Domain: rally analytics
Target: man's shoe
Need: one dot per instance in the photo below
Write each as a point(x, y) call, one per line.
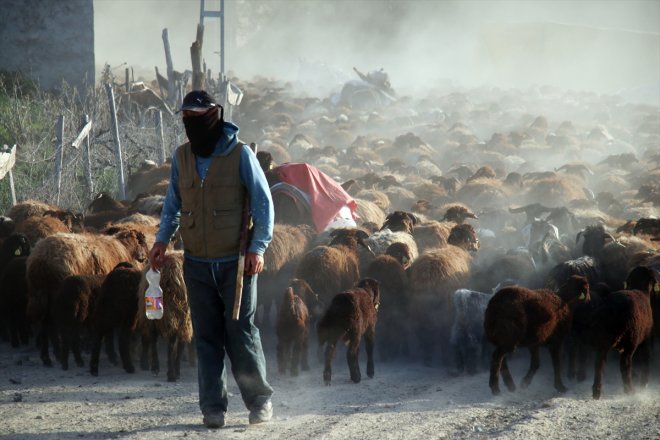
point(214, 421)
point(262, 413)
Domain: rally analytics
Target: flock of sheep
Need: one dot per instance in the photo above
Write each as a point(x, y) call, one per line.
point(489, 220)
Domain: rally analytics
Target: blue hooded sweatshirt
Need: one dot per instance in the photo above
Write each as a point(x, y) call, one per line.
point(252, 177)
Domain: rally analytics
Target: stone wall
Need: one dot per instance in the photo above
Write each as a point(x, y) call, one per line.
point(50, 41)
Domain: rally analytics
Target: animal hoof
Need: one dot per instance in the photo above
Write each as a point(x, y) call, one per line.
point(129, 369)
point(581, 377)
point(495, 391)
point(596, 393)
point(524, 384)
point(561, 389)
point(327, 383)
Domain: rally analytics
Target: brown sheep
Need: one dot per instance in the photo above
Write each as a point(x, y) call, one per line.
point(400, 221)
point(457, 213)
point(20, 211)
point(61, 255)
point(390, 271)
point(72, 305)
point(434, 277)
point(624, 321)
point(281, 258)
point(37, 227)
point(175, 325)
point(351, 315)
point(145, 181)
point(431, 235)
point(116, 309)
point(517, 316)
point(369, 212)
point(333, 268)
point(14, 252)
point(292, 327)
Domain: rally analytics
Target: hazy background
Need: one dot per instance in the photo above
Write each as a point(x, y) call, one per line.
point(601, 45)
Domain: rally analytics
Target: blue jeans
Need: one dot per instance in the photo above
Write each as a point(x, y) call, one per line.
point(211, 288)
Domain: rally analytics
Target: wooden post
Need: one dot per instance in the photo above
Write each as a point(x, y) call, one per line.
point(59, 157)
point(87, 162)
point(171, 91)
point(196, 57)
point(159, 130)
point(160, 87)
point(121, 193)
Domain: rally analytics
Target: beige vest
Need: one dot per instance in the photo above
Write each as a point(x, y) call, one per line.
point(211, 210)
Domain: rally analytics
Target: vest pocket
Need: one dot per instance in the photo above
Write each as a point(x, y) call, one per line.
point(187, 220)
point(223, 219)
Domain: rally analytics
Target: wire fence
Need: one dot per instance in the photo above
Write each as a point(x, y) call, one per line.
point(28, 118)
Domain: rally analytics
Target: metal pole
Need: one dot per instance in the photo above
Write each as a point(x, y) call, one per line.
point(222, 35)
point(159, 131)
point(121, 194)
point(59, 156)
point(87, 162)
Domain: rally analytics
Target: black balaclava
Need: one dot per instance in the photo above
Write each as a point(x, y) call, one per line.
point(203, 132)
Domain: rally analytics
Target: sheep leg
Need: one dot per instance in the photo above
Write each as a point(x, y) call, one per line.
point(534, 365)
point(643, 353)
point(97, 338)
point(573, 348)
point(329, 356)
point(153, 351)
point(43, 344)
point(506, 375)
point(295, 355)
point(125, 350)
point(495, 367)
point(598, 373)
point(282, 355)
point(66, 334)
point(144, 352)
point(582, 362)
point(75, 347)
point(555, 354)
point(352, 359)
point(304, 353)
point(369, 339)
point(625, 364)
point(110, 347)
point(173, 357)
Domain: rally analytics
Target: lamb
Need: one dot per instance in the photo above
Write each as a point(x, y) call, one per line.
point(116, 309)
point(292, 327)
point(390, 271)
point(400, 221)
point(624, 321)
point(61, 255)
point(352, 314)
point(517, 316)
point(176, 323)
point(333, 268)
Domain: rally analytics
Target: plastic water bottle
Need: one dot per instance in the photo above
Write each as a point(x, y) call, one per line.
point(153, 297)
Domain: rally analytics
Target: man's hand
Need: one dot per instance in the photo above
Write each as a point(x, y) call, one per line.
point(157, 255)
point(254, 263)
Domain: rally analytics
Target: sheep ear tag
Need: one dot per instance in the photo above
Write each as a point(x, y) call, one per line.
point(582, 296)
point(657, 288)
point(17, 252)
point(625, 285)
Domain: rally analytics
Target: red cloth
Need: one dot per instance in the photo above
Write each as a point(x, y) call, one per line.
point(326, 196)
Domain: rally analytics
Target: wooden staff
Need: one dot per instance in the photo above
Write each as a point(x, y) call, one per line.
point(242, 246)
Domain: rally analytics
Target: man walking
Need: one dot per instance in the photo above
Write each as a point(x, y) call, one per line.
point(211, 176)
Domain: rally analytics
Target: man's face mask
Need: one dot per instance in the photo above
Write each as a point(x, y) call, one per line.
point(203, 131)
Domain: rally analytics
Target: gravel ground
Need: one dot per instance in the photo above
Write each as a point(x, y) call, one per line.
point(403, 400)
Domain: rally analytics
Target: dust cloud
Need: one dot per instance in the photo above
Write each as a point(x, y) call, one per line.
point(604, 46)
